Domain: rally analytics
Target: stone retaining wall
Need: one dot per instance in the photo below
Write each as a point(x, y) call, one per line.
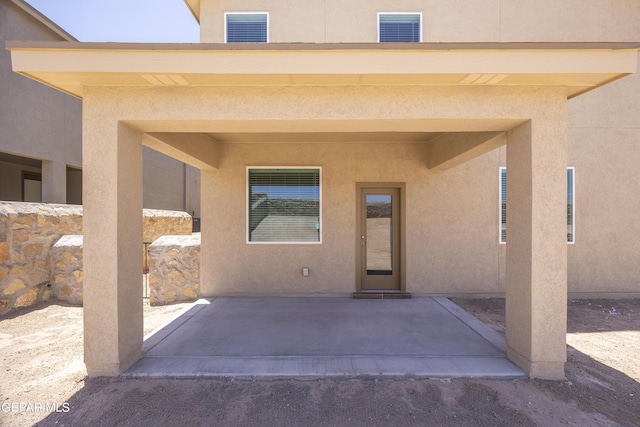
point(66, 269)
point(30, 231)
point(27, 232)
point(174, 269)
point(157, 223)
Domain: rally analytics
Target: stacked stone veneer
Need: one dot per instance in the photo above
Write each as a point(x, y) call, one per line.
point(157, 223)
point(41, 250)
point(27, 233)
point(174, 269)
point(66, 269)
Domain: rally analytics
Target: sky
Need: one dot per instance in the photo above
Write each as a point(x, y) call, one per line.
point(153, 21)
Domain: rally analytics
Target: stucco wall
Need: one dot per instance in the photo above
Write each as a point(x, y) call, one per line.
point(604, 135)
point(452, 216)
point(39, 122)
point(451, 235)
point(604, 125)
point(36, 121)
point(452, 219)
point(604, 148)
point(443, 20)
point(170, 184)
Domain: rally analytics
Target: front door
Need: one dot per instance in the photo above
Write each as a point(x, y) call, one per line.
point(379, 239)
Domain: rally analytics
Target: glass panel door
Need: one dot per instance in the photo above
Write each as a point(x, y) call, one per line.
point(380, 239)
point(379, 235)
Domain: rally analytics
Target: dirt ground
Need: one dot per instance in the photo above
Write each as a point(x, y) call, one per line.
point(42, 371)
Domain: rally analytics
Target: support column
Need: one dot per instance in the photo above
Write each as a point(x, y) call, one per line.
point(207, 232)
point(112, 228)
point(536, 294)
point(54, 182)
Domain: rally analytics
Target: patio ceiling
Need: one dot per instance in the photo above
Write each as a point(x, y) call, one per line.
point(71, 66)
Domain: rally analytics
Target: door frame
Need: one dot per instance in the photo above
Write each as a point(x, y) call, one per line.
point(401, 187)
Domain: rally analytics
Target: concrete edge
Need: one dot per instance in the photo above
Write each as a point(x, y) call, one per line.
point(494, 338)
point(325, 367)
point(167, 328)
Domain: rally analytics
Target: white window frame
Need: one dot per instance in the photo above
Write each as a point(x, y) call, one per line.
point(245, 13)
point(247, 207)
point(401, 13)
point(573, 204)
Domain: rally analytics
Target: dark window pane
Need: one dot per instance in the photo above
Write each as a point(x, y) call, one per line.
point(284, 205)
point(247, 28)
point(400, 28)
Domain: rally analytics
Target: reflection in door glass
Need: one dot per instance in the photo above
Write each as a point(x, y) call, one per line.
point(379, 236)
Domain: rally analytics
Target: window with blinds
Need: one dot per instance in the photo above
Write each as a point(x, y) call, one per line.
point(399, 27)
point(283, 205)
point(247, 27)
point(570, 205)
point(503, 205)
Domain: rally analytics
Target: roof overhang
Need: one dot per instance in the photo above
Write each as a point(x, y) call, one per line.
point(194, 7)
point(71, 66)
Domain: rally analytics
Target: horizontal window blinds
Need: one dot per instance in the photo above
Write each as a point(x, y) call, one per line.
point(503, 205)
point(284, 205)
point(399, 27)
point(570, 205)
point(246, 28)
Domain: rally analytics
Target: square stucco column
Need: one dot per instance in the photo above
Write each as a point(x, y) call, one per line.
point(112, 229)
point(207, 233)
point(536, 294)
point(54, 182)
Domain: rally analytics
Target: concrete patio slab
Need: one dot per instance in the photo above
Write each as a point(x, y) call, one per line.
point(318, 337)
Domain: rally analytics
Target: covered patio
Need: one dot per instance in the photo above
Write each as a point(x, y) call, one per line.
point(319, 337)
point(412, 115)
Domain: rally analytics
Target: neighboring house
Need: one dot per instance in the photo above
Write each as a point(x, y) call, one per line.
point(41, 133)
point(40, 128)
point(359, 146)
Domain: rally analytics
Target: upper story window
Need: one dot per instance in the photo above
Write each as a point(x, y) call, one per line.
point(399, 27)
point(246, 27)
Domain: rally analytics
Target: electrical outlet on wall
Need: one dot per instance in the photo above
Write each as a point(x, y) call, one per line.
point(305, 271)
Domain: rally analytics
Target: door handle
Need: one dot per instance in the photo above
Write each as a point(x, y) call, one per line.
point(362, 240)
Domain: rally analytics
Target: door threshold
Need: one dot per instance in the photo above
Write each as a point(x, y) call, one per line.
point(374, 294)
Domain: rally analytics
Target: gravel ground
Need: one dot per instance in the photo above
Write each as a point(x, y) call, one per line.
point(42, 370)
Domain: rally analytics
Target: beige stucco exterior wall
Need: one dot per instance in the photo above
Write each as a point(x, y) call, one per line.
point(170, 184)
point(36, 121)
point(601, 261)
point(452, 242)
point(115, 119)
point(604, 135)
point(451, 216)
point(443, 20)
point(604, 148)
point(442, 209)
